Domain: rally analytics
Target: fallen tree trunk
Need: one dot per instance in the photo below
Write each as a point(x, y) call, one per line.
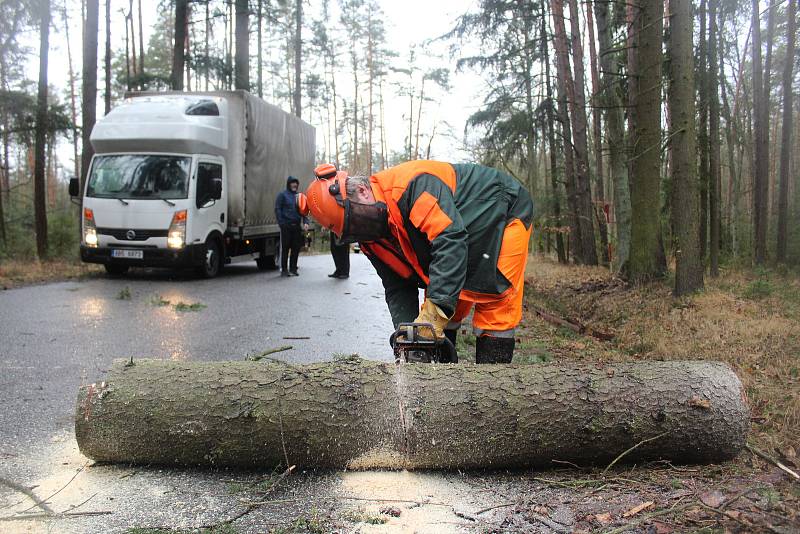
point(360, 414)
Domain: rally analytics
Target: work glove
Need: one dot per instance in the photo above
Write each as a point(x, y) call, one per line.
point(433, 314)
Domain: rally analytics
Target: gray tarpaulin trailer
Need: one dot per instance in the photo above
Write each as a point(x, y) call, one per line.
point(255, 145)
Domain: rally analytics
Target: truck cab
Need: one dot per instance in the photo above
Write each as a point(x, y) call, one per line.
point(168, 184)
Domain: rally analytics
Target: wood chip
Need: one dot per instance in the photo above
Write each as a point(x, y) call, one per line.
point(636, 509)
point(603, 519)
point(699, 402)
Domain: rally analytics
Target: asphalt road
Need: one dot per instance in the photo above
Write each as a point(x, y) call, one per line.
point(57, 336)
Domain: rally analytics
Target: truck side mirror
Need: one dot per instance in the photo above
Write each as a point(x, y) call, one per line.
point(74, 187)
point(216, 189)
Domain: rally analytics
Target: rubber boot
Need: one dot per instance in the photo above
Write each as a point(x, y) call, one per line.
point(451, 335)
point(489, 349)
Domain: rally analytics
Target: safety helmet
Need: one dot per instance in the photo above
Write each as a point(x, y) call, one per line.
point(325, 197)
point(350, 220)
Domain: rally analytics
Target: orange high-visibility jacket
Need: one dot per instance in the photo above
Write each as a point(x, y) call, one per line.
point(447, 223)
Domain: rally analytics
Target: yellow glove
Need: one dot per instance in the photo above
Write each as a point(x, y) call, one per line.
point(433, 314)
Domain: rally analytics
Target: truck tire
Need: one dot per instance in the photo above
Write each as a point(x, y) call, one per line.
point(115, 269)
point(212, 265)
point(266, 263)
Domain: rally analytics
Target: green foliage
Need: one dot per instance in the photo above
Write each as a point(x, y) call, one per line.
point(759, 288)
point(157, 300)
point(124, 293)
point(189, 307)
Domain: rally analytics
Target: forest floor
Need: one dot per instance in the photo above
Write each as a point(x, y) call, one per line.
point(751, 320)
point(18, 273)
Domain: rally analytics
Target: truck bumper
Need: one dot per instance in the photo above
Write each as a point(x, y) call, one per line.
point(188, 256)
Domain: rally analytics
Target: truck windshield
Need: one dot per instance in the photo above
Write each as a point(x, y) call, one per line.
point(139, 176)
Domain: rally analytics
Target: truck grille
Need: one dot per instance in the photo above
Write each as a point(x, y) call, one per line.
point(122, 234)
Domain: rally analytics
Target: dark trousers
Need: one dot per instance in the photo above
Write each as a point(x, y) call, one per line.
point(341, 257)
point(291, 242)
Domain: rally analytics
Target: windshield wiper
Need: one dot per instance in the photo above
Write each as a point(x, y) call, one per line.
point(123, 201)
point(168, 201)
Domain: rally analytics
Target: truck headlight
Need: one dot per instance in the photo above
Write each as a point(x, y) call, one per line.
point(89, 228)
point(176, 236)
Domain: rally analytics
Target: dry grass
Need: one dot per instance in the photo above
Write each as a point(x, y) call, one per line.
point(749, 320)
point(16, 273)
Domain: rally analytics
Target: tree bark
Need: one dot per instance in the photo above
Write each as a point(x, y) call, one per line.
point(39, 185)
point(685, 198)
point(714, 173)
point(179, 46)
point(358, 414)
point(786, 132)
point(242, 60)
point(647, 260)
point(615, 132)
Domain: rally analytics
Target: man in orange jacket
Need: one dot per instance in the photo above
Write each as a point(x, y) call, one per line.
point(460, 231)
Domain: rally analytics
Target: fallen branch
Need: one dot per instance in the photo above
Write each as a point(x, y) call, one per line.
point(63, 515)
point(618, 458)
point(506, 505)
point(28, 493)
point(268, 352)
point(643, 519)
point(78, 472)
point(573, 325)
point(772, 460)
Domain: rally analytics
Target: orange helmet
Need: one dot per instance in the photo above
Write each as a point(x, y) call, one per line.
point(325, 197)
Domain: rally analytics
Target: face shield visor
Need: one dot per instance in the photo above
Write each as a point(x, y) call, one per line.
point(362, 222)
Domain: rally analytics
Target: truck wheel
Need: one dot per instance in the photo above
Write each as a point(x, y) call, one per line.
point(115, 270)
point(266, 263)
point(212, 265)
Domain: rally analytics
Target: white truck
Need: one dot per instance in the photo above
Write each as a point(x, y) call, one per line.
point(189, 179)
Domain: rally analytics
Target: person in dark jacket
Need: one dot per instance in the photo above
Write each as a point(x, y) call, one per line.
point(292, 225)
point(460, 231)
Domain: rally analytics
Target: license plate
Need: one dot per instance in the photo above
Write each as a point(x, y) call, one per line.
point(130, 254)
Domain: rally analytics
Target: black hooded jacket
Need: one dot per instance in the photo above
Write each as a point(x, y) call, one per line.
point(286, 206)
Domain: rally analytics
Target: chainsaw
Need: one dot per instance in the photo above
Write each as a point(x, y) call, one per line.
point(411, 347)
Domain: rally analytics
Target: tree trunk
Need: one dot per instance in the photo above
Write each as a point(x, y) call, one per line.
point(786, 132)
point(298, 56)
point(141, 42)
point(73, 104)
point(134, 63)
point(702, 135)
point(760, 179)
point(647, 259)
point(580, 138)
point(89, 86)
point(358, 414)
point(242, 60)
point(685, 200)
point(551, 142)
point(600, 194)
point(714, 173)
point(615, 132)
point(107, 96)
point(179, 46)
point(39, 185)
point(565, 90)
